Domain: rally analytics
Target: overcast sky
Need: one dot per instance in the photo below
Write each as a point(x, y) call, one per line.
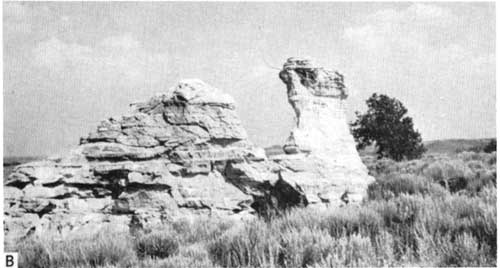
point(69, 65)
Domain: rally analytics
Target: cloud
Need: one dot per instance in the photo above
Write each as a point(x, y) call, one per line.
point(418, 13)
point(415, 37)
point(402, 30)
point(122, 42)
point(115, 61)
point(415, 55)
point(15, 20)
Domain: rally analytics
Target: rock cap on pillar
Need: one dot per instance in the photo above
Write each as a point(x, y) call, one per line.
point(304, 73)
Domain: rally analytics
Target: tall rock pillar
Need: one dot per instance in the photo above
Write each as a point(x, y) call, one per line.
point(320, 149)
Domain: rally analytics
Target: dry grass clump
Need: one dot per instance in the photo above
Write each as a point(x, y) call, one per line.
point(394, 184)
point(160, 243)
point(351, 220)
point(100, 249)
point(201, 228)
point(252, 244)
point(194, 255)
point(33, 253)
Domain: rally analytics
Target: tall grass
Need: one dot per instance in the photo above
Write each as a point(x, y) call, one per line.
point(106, 247)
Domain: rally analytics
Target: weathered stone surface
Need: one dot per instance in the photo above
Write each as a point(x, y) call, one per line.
point(253, 178)
point(103, 150)
point(196, 193)
point(18, 180)
point(322, 157)
point(87, 205)
point(152, 200)
point(12, 193)
point(12, 199)
point(161, 162)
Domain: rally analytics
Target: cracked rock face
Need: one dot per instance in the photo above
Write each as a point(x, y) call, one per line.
point(174, 156)
point(321, 155)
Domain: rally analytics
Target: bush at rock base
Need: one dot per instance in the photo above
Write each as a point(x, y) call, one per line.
point(104, 248)
point(159, 243)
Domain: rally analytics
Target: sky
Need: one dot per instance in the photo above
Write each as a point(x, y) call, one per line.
point(69, 65)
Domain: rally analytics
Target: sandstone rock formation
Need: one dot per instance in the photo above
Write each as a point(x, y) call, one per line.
point(166, 160)
point(184, 153)
point(321, 154)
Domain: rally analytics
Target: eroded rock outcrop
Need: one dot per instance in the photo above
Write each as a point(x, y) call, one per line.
point(321, 155)
point(184, 153)
point(167, 159)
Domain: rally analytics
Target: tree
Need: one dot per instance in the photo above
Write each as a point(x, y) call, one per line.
point(386, 124)
point(491, 146)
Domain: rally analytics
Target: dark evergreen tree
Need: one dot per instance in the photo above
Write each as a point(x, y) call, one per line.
point(387, 125)
point(491, 146)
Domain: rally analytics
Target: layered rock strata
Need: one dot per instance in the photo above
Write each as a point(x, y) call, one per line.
point(321, 155)
point(173, 156)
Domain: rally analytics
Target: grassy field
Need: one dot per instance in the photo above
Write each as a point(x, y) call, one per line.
point(436, 211)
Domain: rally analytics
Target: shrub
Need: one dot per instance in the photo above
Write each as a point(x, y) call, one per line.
point(483, 179)
point(350, 251)
point(491, 146)
point(478, 219)
point(99, 249)
point(352, 219)
point(157, 243)
point(400, 216)
point(383, 166)
point(204, 228)
point(488, 195)
point(196, 252)
point(251, 244)
point(304, 247)
point(464, 251)
point(492, 159)
point(384, 249)
point(393, 185)
point(189, 256)
point(33, 253)
point(444, 170)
